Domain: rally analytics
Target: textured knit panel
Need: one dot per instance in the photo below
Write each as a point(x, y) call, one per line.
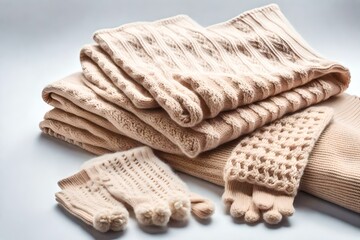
point(194, 73)
point(88, 200)
point(333, 169)
point(276, 155)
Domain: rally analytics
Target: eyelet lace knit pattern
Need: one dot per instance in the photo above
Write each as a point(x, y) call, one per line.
point(137, 177)
point(276, 155)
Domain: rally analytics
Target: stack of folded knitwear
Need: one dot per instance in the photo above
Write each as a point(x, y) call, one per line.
point(246, 104)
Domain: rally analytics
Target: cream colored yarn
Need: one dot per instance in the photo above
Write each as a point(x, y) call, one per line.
point(137, 177)
point(89, 201)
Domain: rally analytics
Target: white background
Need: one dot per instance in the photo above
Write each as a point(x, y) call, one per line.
point(40, 43)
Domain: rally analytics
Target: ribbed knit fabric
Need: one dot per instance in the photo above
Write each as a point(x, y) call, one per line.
point(342, 188)
point(335, 172)
point(137, 177)
point(89, 201)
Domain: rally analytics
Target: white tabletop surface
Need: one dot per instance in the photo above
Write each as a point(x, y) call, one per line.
point(40, 42)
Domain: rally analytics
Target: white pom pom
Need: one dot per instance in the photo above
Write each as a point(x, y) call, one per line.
point(101, 221)
point(180, 208)
point(144, 214)
point(119, 219)
point(161, 214)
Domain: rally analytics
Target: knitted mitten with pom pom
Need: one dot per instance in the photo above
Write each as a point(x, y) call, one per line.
point(140, 179)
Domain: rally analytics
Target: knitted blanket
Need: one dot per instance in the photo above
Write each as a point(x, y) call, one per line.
point(183, 89)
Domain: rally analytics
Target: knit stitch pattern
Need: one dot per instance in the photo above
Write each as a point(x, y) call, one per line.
point(276, 155)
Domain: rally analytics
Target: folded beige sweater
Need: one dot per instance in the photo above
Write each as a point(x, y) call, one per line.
point(183, 89)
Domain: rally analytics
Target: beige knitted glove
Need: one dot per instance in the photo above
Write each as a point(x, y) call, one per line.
point(137, 177)
point(89, 201)
point(248, 201)
point(265, 168)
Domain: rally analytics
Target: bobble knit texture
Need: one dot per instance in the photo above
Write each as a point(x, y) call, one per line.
point(333, 169)
point(276, 155)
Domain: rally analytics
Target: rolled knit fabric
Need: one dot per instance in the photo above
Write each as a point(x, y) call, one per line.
point(256, 66)
point(89, 201)
point(137, 177)
point(335, 151)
